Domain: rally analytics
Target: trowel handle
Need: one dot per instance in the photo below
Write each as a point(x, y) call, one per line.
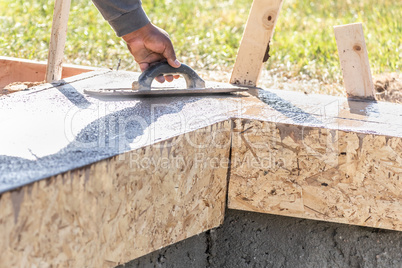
point(146, 78)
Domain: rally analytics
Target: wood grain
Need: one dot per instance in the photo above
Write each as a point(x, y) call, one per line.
point(254, 45)
point(57, 40)
point(354, 61)
point(22, 70)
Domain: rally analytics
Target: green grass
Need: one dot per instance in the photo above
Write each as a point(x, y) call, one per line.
point(206, 34)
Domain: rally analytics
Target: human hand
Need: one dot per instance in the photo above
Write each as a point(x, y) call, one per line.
point(150, 45)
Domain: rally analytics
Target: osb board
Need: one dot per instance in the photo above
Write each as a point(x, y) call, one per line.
point(118, 209)
point(316, 173)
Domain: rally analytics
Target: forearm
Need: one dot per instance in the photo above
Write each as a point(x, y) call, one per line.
point(125, 16)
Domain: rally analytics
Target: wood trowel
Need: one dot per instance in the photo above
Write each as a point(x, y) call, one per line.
point(143, 87)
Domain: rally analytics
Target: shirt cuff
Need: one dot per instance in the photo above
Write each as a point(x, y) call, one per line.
point(129, 22)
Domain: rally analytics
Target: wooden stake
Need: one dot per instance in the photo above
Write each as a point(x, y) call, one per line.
point(57, 40)
point(254, 46)
point(354, 60)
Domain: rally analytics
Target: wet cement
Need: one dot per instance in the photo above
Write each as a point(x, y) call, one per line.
point(50, 129)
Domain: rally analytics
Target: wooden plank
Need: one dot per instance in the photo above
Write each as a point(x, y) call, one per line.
point(22, 70)
point(317, 173)
point(121, 208)
point(354, 61)
point(254, 46)
point(57, 40)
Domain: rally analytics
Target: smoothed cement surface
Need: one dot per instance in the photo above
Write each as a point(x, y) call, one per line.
point(47, 132)
point(49, 129)
point(248, 239)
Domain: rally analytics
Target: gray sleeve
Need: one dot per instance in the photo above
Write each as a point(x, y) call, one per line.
point(125, 16)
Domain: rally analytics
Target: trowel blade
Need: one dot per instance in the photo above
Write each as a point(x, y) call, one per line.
point(215, 88)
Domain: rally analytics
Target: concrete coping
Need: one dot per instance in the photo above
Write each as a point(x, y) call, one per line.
point(76, 160)
point(51, 129)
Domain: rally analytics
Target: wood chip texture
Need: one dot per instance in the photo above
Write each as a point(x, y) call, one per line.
point(317, 173)
point(121, 208)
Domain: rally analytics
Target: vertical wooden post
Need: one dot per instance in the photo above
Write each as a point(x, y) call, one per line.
point(254, 46)
point(354, 60)
point(57, 40)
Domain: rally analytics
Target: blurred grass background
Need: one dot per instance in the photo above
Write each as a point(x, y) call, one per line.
point(206, 34)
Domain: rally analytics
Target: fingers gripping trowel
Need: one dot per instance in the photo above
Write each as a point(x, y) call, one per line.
point(142, 87)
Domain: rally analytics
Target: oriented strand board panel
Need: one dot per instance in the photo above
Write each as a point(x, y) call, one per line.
point(120, 208)
point(317, 173)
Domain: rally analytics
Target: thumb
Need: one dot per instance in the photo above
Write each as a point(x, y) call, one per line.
point(144, 66)
point(170, 56)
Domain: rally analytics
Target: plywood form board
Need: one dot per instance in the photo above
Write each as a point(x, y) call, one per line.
point(254, 46)
point(317, 173)
point(22, 70)
point(354, 60)
point(120, 208)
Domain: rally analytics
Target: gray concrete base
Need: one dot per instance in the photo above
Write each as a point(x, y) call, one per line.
point(248, 239)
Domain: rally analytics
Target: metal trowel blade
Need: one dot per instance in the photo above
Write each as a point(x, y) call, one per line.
point(211, 88)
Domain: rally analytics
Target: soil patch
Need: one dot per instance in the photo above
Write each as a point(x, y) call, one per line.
point(388, 87)
point(18, 86)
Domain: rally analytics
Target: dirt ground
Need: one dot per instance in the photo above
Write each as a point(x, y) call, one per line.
point(388, 86)
point(18, 86)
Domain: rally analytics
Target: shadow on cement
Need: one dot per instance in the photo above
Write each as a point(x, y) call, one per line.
point(286, 108)
point(363, 107)
point(73, 95)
